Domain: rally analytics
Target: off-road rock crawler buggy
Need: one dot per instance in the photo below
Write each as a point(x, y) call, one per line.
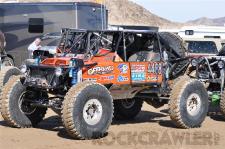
point(6, 63)
point(211, 71)
point(100, 74)
point(5, 59)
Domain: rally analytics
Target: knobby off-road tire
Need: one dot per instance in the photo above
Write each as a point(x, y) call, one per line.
point(6, 73)
point(188, 105)
point(7, 61)
point(174, 43)
point(87, 110)
point(175, 49)
point(127, 109)
point(11, 97)
point(222, 103)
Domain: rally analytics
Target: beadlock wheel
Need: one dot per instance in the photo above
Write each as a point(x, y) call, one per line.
point(188, 104)
point(87, 110)
point(193, 104)
point(92, 111)
point(24, 105)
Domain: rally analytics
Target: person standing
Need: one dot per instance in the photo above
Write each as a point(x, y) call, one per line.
point(35, 45)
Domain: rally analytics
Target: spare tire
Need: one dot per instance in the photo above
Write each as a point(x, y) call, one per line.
point(173, 44)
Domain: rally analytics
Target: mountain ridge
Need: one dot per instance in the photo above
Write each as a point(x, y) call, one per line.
point(123, 12)
point(208, 21)
point(126, 12)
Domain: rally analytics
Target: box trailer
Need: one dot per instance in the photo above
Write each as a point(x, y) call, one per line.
point(23, 22)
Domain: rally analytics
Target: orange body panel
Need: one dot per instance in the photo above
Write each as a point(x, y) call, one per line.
point(109, 72)
point(56, 61)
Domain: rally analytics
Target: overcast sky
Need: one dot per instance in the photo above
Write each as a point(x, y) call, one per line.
point(184, 10)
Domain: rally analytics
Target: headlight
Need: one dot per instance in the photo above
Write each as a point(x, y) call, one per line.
point(23, 68)
point(220, 64)
point(194, 62)
point(58, 72)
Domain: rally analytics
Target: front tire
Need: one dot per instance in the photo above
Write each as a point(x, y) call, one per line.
point(127, 109)
point(222, 104)
point(6, 73)
point(15, 110)
point(87, 111)
point(188, 105)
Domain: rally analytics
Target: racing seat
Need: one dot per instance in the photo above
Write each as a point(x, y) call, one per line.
point(145, 56)
point(111, 56)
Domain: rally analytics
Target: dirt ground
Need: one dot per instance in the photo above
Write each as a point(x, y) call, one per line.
point(150, 129)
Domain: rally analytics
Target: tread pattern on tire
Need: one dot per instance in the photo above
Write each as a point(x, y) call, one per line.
point(174, 101)
point(175, 49)
point(4, 71)
point(174, 42)
point(222, 103)
point(34, 119)
point(8, 59)
point(4, 100)
point(68, 102)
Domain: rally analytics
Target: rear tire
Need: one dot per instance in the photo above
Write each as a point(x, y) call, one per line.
point(87, 111)
point(7, 61)
point(15, 110)
point(127, 109)
point(188, 105)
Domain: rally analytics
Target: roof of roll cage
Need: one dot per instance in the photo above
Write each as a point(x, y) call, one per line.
point(109, 30)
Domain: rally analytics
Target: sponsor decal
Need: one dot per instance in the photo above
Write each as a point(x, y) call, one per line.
point(123, 68)
point(155, 78)
point(107, 78)
point(122, 79)
point(137, 68)
point(91, 79)
point(140, 76)
point(101, 70)
point(155, 68)
point(138, 72)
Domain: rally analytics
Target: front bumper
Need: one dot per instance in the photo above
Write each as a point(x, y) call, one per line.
point(42, 77)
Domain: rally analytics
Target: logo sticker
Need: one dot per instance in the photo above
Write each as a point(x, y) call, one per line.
point(155, 68)
point(91, 79)
point(155, 78)
point(101, 70)
point(138, 76)
point(123, 68)
point(107, 78)
point(122, 79)
point(138, 68)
